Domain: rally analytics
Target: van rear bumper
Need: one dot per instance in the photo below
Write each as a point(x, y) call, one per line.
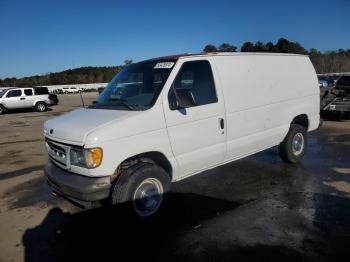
point(81, 190)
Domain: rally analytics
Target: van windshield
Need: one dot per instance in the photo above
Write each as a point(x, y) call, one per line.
point(2, 93)
point(137, 87)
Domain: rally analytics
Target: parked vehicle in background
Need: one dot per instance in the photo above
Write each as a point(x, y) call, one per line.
point(166, 119)
point(323, 83)
point(70, 90)
point(100, 90)
point(58, 91)
point(27, 97)
point(335, 102)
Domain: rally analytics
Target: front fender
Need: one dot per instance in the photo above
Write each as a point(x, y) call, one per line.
point(116, 151)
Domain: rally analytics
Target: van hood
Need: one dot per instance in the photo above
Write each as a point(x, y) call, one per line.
point(73, 127)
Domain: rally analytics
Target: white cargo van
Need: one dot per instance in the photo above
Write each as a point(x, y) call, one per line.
point(166, 119)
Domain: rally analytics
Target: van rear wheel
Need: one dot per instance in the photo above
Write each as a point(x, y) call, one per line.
point(293, 147)
point(141, 189)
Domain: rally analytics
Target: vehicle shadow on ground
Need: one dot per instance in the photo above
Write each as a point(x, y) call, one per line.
point(26, 110)
point(195, 228)
point(20, 172)
point(110, 234)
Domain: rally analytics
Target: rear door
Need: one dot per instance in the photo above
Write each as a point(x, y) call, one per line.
point(29, 97)
point(14, 99)
point(197, 134)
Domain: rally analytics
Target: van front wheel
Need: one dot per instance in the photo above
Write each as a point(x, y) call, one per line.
point(292, 149)
point(141, 189)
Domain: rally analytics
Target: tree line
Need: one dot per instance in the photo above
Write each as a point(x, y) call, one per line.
point(324, 62)
point(82, 75)
point(327, 62)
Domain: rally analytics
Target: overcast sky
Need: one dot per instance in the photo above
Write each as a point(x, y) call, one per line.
point(38, 37)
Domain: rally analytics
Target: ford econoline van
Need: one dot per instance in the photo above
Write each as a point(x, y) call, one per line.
point(165, 119)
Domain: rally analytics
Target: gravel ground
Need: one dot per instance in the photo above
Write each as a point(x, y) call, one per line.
point(255, 209)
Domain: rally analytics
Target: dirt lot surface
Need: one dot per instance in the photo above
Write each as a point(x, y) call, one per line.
point(255, 209)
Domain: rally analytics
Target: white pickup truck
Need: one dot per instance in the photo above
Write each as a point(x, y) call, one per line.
point(165, 119)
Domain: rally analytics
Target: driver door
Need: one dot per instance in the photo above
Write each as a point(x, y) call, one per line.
point(14, 99)
point(197, 133)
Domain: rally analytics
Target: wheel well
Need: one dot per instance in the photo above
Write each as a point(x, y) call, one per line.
point(301, 120)
point(150, 157)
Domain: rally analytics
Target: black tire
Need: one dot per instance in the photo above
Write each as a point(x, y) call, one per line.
point(2, 110)
point(40, 106)
point(125, 190)
point(286, 149)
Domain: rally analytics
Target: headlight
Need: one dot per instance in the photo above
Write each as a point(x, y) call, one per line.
point(93, 157)
point(77, 158)
point(90, 158)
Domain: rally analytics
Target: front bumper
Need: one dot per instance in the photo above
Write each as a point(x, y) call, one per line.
point(79, 189)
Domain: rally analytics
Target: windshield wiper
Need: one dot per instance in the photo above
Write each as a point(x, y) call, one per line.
point(122, 102)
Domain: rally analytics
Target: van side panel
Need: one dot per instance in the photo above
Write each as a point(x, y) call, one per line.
point(263, 93)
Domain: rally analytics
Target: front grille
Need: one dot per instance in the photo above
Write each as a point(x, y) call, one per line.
point(58, 153)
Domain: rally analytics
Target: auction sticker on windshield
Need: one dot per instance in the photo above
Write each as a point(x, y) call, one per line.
point(164, 65)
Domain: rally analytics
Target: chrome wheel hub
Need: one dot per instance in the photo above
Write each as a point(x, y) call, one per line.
point(148, 197)
point(41, 107)
point(298, 144)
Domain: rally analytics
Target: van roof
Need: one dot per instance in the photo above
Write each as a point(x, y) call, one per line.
point(178, 56)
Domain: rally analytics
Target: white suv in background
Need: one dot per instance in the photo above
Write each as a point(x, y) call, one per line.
point(70, 90)
point(27, 97)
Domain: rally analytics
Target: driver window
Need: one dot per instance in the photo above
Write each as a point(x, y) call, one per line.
point(196, 76)
point(14, 93)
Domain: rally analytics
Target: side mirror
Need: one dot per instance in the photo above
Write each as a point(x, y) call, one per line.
point(184, 98)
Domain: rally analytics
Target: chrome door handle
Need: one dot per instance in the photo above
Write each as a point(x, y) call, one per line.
point(222, 123)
